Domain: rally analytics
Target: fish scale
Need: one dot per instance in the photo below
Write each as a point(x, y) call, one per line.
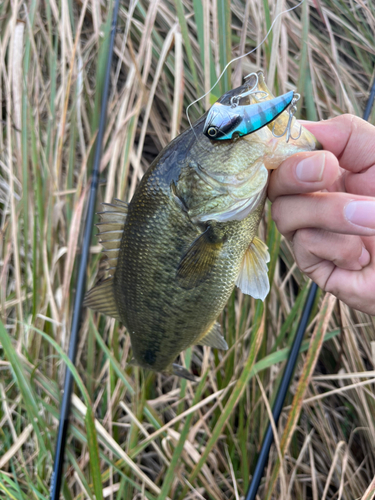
point(166, 312)
point(188, 237)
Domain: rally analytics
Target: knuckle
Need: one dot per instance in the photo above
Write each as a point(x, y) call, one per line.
point(304, 237)
point(276, 213)
point(349, 121)
point(304, 263)
point(331, 288)
point(276, 185)
point(347, 253)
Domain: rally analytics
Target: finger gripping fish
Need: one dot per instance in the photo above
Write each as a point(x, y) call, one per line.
point(188, 236)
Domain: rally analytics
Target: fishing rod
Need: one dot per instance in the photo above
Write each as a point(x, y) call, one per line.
point(81, 279)
point(290, 365)
point(281, 394)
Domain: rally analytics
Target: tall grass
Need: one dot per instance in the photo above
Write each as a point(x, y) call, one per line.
point(135, 434)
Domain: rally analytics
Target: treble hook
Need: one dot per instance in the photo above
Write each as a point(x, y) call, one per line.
point(292, 112)
point(236, 99)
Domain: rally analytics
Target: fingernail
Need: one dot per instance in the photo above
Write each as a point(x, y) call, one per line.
point(361, 213)
point(364, 258)
point(311, 168)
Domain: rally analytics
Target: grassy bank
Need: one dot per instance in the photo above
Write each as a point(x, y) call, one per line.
point(140, 435)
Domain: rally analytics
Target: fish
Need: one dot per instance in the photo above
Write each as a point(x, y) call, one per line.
point(223, 122)
point(188, 237)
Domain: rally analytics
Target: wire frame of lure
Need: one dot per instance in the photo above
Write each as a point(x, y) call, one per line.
point(224, 122)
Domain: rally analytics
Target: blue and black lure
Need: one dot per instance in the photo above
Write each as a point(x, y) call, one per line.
point(224, 122)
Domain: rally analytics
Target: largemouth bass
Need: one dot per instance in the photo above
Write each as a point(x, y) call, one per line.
point(188, 236)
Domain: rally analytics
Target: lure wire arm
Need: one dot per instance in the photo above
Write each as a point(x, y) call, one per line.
point(288, 128)
point(235, 100)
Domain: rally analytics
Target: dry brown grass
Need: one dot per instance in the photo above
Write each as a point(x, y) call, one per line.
point(52, 57)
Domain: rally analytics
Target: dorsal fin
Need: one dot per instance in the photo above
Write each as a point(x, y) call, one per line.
point(111, 226)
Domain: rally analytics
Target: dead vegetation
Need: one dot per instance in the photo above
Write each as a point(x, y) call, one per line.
point(161, 437)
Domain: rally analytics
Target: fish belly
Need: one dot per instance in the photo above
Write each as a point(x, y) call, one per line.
point(162, 317)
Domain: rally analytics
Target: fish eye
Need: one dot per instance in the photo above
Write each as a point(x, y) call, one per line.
point(212, 131)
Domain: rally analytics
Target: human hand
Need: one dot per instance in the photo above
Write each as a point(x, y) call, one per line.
point(323, 202)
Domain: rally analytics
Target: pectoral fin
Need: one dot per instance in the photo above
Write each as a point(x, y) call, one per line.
point(199, 260)
point(101, 298)
point(253, 277)
point(214, 338)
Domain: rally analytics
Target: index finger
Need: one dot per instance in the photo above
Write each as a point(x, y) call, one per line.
point(349, 138)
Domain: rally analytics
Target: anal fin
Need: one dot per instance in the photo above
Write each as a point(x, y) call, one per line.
point(101, 298)
point(214, 338)
point(253, 277)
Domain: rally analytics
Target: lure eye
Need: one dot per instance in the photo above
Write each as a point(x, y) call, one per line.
point(212, 132)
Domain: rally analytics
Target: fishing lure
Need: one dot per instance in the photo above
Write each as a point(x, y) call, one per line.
point(224, 122)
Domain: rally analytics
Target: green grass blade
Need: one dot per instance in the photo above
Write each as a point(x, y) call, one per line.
point(24, 387)
point(176, 457)
point(93, 449)
point(25, 127)
point(282, 354)
point(236, 393)
point(224, 21)
point(303, 63)
point(78, 470)
point(68, 363)
point(148, 413)
point(268, 42)
point(309, 365)
point(7, 491)
point(187, 44)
